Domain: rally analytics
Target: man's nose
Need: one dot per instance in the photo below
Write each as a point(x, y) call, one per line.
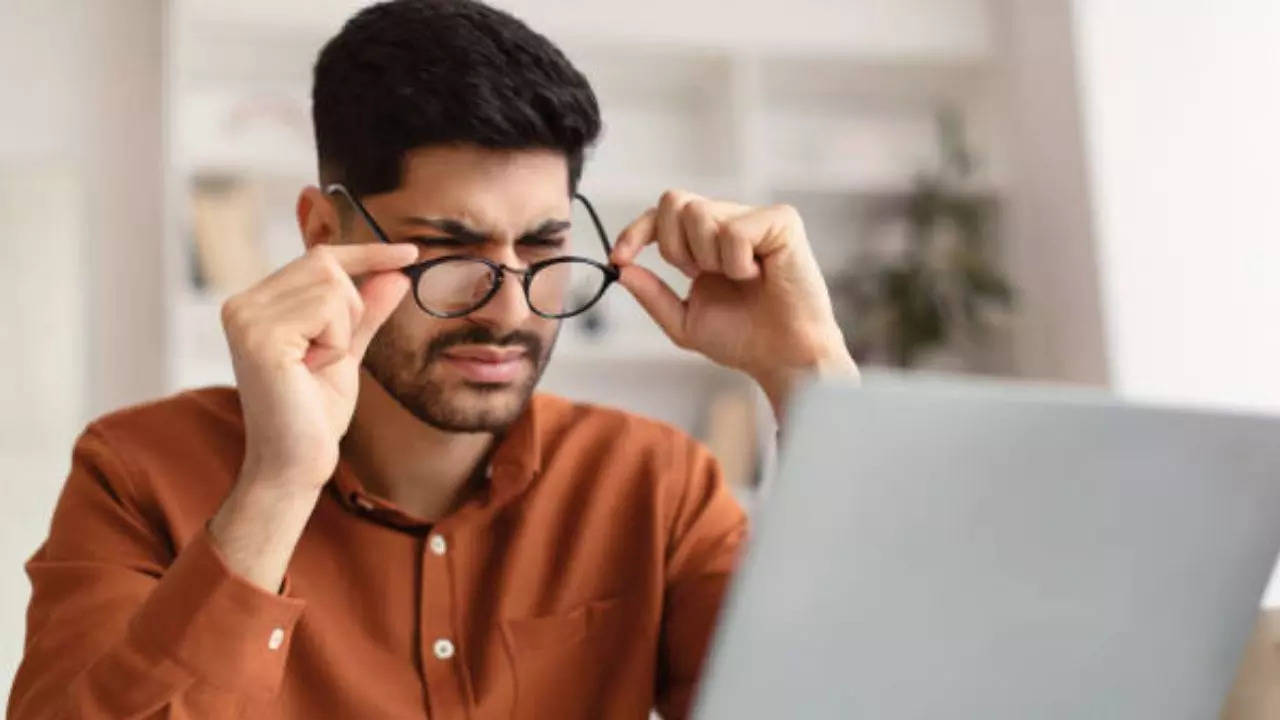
point(507, 309)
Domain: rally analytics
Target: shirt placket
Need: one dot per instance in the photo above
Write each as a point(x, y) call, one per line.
point(442, 667)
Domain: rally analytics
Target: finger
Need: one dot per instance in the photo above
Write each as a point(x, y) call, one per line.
point(315, 322)
point(363, 258)
point(737, 256)
point(382, 294)
point(332, 262)
point(765, 230)
point(332, 281)
point(634, 238)
point(670, 236)
point(319, 357)
point(700, 232)
point(658, 299)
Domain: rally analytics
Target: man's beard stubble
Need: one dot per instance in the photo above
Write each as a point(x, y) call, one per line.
point(405, 372)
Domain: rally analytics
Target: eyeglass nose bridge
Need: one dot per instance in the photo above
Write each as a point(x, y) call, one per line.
point(498, 273)
point(503, 269)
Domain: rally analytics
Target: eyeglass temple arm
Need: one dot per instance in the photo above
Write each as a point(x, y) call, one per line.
point(604, 237)
point(341, 189)
point(373, 224)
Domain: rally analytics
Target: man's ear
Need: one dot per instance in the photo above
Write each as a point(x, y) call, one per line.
point(317, 218)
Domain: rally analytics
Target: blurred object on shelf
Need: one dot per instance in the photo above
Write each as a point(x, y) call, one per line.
point(225, 233)
point(932, 279)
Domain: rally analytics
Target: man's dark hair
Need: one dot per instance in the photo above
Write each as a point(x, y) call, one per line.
point(409, 73)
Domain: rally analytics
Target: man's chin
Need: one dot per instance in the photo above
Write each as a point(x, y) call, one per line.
point(470, 406)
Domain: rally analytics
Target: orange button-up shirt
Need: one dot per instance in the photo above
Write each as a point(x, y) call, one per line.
point(582, 581)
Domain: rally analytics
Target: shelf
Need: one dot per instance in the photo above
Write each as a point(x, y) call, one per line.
point(643, 191)
point(923, 28)
point(860, 189)
point(647, 74)
point(837, 82)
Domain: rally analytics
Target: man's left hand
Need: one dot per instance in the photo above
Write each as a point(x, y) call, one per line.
point(758, 302)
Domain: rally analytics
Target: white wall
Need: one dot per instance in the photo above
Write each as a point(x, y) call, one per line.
point(1182, 117)
point(1183, 123)
point(80, 149)
point(41, 307)
point(123, 162)
point(921, 27)
point(1048, 230)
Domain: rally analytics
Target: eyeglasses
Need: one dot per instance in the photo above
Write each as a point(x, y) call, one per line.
point(455, 285)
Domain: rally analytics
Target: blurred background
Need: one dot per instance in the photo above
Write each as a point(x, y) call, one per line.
point(1060, 190)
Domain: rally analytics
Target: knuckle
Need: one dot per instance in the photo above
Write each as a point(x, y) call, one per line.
point(355, 303)
point(231, 312)
point(340, 342)
point(320, 253)
point(334, 275)
point(697, 214)
point(672, 198)
point(692, 211)
point(236, 314)
point(335, 306)
point(325, 261)
point(734, 234)
point(789, 213)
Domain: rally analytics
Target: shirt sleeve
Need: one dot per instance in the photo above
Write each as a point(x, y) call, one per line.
point(120, 626)
point(707, 534)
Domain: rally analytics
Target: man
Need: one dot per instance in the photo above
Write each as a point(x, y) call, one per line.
point(382, 520)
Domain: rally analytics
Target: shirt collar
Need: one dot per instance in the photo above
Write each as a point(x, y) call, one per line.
point(515, 462)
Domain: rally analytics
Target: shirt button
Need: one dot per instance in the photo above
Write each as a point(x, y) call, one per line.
point(276, 640)
point(443, 649)
point(438, 545)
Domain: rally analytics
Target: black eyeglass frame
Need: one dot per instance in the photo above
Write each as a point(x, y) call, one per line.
point(497, 270)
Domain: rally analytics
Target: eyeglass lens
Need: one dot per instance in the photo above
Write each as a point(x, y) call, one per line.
point(558, 289)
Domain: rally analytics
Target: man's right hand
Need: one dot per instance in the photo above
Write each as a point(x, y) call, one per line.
point(296, 340)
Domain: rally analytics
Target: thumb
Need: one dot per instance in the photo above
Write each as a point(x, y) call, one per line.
point(657, 298)
point(381, 294)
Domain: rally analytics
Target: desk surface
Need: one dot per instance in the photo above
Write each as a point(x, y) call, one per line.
point(1256, 693)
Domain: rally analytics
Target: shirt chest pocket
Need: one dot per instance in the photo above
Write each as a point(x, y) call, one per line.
point(561, 662)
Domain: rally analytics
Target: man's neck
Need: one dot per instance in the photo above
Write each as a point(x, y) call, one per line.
point(421, 469)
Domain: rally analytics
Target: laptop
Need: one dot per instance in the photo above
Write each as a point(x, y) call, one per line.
point(955, 550)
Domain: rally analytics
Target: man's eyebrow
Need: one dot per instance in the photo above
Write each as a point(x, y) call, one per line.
point(460, 230)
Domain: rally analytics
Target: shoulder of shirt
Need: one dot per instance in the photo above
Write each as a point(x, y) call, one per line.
point(172, 458)
point(173, 424)
point(215, 406)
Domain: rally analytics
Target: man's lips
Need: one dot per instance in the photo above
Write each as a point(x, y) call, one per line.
point(484, 353)
point(486, 364)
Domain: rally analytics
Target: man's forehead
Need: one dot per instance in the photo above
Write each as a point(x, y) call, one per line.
point(472, 214)
point(495, 191)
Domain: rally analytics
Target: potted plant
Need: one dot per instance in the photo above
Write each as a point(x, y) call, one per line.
point(940, 283)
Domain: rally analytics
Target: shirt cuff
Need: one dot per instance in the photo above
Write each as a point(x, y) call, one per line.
point(217, 625)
